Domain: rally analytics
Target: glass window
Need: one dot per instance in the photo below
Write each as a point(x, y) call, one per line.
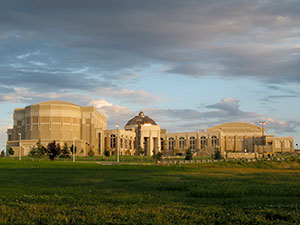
point(214, 141)
point(193, 143)
point(162, 144)
point(112, 141)
point(203, 142)
point(181, 142)
point(171, 143)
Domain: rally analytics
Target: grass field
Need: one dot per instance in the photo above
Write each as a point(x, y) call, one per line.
point(44, 192)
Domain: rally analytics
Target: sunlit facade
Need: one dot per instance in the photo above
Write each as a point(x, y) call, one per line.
point(68, 123)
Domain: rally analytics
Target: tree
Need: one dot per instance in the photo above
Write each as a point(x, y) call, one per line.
point(38, 151)
point(217, 154)
point(2, 154)
point(65, 153)
point(91, 153)
point(157, 157)
point(71, 149)
point(141, 152)
point(53, 150)
point(106, 153)
point(11, 151)
point(189, 155)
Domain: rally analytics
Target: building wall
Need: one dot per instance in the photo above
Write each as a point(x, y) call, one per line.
point(59, 121)
point(63, 121)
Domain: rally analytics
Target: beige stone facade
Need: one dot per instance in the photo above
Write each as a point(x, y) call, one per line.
point(65, 122)
point(59, 121)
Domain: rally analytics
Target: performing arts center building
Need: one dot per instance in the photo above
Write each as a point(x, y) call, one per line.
point(68, 123)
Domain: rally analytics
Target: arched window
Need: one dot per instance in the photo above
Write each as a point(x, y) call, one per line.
point(129, 144)
point(214, 141)
point(193, 143)
point(126, 143)
point(171, 143)
point(181, 142)
point(162, 144)
point(203, 142)
point(112, 141)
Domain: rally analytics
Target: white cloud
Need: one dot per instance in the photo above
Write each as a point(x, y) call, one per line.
point(115, 114)
point(129, 96)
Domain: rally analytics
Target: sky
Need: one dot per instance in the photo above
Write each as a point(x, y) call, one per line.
point(189, 64)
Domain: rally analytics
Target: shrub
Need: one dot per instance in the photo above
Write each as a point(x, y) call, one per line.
point(71, 149)
point(106, 153)
point(53, 150)
point(217, 154)
point(11, 151)
point(2, 154)
point(65, 153)
point(157, 157)
point(38, 151)
point(189, 155)
point(91, 153)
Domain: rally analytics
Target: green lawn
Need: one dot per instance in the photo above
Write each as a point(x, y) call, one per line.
point(60, 192)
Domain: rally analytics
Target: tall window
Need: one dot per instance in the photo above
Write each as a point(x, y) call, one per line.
point(171, 143)
point(181, 142)
point(162, 144)
point(203, 142)
point(214, 141)
point(121, 143)
point(112, 141)
point(129, 144)
point(126, 143)
point(193, 143)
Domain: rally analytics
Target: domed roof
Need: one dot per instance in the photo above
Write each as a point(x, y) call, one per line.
point(56, 102)
point(141, 119)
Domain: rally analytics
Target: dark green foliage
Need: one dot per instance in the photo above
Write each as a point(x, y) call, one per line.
point(189, 155)
point(53, 150)
point(217, 155)
point(65, 153)
point(71, 149)
point(91, 153)
point(157, 157)
point(38, 151)
point(2, 154)
point(11, 151)
point(106, 153)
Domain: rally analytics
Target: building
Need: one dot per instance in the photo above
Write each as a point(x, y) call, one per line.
point(67, 123)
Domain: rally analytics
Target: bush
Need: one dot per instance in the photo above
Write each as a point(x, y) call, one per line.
point(53, 150)
point(157, 157)
point(2, 154)
point(106, 153)
point(217, 154)
point(38, 151)
point(65, 153)
point(71, 149)
point(91, 153)
point(189, 155)
point(11, 151)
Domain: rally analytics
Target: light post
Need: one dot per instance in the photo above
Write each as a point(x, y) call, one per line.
point(118, 130)
point(297, 146)
point(262, 123)
point(20, 146)
point(74, 153)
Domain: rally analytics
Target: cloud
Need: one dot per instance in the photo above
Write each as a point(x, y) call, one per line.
point(115, 114)
point(227, 110)
point(3, 135)
point(281, 126)
point(253, 39)
point(129, 96)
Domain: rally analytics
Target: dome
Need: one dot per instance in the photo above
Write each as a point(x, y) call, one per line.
point(141, 119)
